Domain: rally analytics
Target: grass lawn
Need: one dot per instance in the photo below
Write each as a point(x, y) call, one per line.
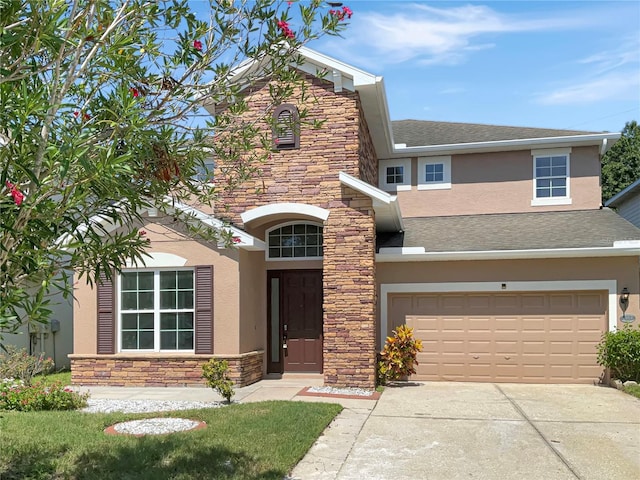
point(632, 390)
point(243, 441)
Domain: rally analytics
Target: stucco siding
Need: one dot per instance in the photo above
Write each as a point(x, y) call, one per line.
point(501, 182)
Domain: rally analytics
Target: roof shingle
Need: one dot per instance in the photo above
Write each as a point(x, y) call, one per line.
point(513, 231)
point(418, 133)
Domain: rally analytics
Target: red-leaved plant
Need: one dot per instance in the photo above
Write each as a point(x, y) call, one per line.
point(399, 355)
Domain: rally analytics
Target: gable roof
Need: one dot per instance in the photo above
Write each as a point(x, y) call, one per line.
point(414, 133)
point(591, 230)
point(627, 193)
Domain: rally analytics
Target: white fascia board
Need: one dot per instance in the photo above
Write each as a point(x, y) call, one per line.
point(105, 223)
point(360, 77)
point(402, 254)
point(615, 200)
point(517, 144)
point(379, 197)
point(247, 242)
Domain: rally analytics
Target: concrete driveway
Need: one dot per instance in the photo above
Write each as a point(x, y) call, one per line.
point(447, 431)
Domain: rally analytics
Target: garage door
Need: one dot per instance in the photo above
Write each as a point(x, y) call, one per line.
point(539, 337)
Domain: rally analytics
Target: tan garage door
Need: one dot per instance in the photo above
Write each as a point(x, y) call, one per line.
point(538, 337)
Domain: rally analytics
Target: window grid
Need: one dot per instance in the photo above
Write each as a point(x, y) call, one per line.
point(434, 172)
point(157, 310)
point(551, 176)
point(296, 241)
point(395, 175)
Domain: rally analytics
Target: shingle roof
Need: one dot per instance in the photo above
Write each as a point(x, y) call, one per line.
point(513, 231)
point(417, 133)
point(626, 193)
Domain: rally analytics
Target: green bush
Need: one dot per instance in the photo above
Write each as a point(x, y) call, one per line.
point(16, 395)
point(399, 355)
point(17, 363)
point(215, 372)
point(619, 351)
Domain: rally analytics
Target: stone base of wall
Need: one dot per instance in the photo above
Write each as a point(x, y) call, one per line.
point(158, 370)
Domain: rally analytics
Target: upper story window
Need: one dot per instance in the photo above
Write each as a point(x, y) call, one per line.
point(551, 177)
point(204, 171)
point(295, 241)
point(434, 173)
point(286, 127)
point(156, 310)
point(395, 175)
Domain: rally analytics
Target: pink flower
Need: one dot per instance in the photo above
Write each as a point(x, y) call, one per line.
point(134, 91)
point(142, 233)
point(285, 30)
point(197, 44)
point(347, 11)
point(76, 114)
point(86, 117)
point(236, 239)
point(18, 196)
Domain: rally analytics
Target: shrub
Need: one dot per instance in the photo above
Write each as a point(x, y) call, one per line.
point(619, 351)
point(17, 363)
point(399, 355)
point(16, 395)
point(215, 372)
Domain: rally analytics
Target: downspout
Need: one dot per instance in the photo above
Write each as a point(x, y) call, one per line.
point(603, 148)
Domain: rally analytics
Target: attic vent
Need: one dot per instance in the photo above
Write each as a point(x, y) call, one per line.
point(286, 127)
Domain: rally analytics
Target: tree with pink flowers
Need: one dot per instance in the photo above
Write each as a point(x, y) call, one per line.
point(102, 115)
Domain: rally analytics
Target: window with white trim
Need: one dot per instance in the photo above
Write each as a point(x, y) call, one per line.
point(295, 241)
point(156, 310)
point(394, 175)
point(434, 173)
point(551, 177)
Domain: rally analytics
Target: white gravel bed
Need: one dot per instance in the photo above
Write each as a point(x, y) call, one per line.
point(155, 426)
point(103, 405)
point(360, 392)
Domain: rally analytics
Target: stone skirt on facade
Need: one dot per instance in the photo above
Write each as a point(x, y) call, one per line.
point(160, 370)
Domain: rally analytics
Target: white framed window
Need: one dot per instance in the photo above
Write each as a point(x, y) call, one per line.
point(295, 241)
point(394, 175)
point(434, 173)
point(204, 171)
point(156, 310)
point(551, 179)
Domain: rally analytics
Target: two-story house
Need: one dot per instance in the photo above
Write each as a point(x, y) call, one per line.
point(490, 241)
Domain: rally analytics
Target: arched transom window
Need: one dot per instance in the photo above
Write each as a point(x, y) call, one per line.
point(297, 240)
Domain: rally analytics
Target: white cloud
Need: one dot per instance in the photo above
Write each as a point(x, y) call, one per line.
point(433, 35)
point(615, 85)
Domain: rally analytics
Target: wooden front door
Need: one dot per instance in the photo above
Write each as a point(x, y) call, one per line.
point(295, 321)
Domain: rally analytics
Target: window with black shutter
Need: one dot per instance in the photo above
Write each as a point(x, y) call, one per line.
point(286, 127)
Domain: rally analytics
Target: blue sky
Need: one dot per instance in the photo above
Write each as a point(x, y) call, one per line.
point(568, 64)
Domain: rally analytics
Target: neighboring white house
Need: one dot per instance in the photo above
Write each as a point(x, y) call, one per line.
point(627, 202)
point(54, 339)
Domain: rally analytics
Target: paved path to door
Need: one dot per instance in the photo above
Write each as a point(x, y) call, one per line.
point(459, 431)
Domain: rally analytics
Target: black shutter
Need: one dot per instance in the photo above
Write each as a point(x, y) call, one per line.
point(204, 309)
point(106, 316)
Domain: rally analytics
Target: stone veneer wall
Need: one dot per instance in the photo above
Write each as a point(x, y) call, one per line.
point(159, 370)
point(309, 175)
point(349, 293)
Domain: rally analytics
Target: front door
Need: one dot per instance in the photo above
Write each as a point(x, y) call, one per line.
point(295, 321)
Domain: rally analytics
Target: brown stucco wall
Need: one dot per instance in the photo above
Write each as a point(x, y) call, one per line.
point(167, 237)
point(625, 270)
point(501, 182)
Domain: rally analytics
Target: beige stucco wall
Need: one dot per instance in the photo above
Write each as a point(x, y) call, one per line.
point(167, 237)
point(624, 270)
point(501, 182)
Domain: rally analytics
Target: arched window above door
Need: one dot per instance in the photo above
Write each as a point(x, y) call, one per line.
point(295, 241)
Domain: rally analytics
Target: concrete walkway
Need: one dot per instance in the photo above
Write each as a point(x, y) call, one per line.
point(451, 431)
